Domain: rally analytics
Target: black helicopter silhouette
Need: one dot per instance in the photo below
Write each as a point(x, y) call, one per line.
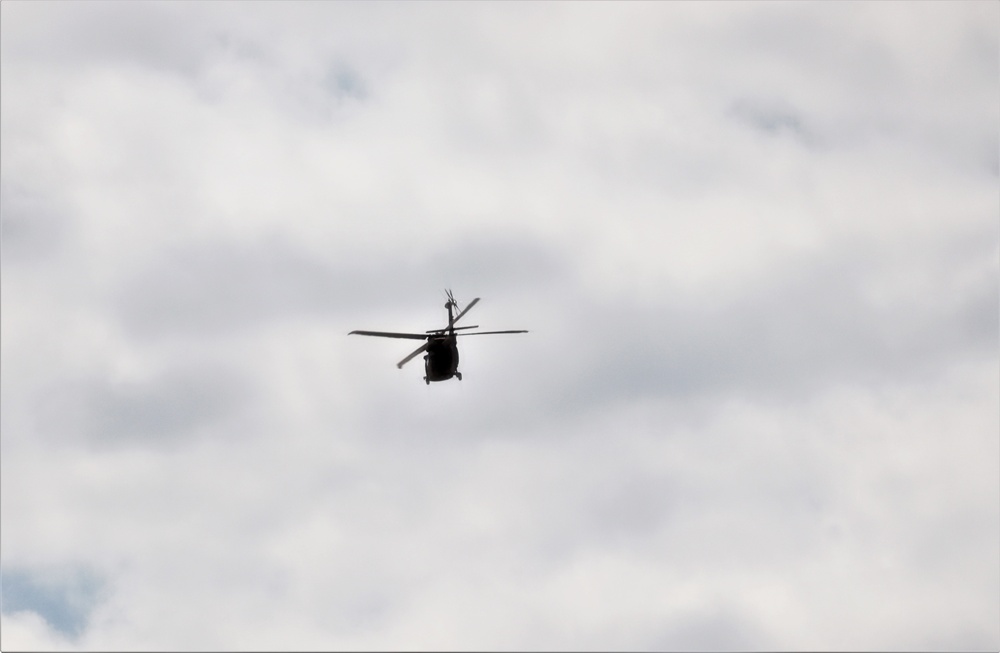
point(441, 360)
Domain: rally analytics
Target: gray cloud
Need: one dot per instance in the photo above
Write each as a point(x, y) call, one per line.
point(803, 326)
point(771, 119)
point(716, 629)
point(33, 228)
point(225, 287)
point(100, 32)
point(172, 407)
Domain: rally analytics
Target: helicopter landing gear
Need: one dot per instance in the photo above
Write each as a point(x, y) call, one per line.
point(427, 381)
point(458, 375)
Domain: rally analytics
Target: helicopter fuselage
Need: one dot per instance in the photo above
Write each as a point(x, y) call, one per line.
point(441, 359)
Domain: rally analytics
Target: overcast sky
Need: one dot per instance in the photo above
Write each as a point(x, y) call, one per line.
point(757, 247)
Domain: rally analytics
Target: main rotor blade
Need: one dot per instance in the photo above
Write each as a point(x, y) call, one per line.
point(465, 310)
point(389, 334)
point(474, 326)
point(406, 360)
point(489, 333)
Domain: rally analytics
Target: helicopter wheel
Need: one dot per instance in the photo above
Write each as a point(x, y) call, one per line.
point(458, 375)
point(427, 381)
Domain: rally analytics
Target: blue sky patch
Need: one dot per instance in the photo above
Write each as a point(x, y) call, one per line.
point(63, 598)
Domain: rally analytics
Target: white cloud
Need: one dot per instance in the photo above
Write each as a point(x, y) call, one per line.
point(756, 247)
point(29, 632)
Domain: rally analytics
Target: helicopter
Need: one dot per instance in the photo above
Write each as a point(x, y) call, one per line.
point(441, 359)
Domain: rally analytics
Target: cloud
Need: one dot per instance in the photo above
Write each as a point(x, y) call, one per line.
point(755, 247)
point(206, 287)
point(103, 34)
point(771, 120)
point(174, 405)
point(30, 632)
point(825, 322)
